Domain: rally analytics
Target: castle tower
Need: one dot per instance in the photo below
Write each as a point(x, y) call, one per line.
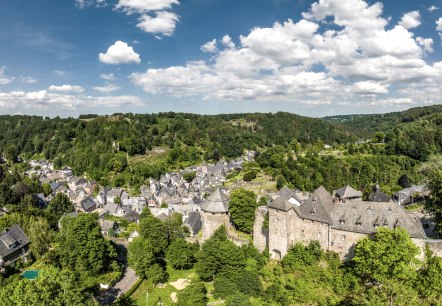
point(214, 213)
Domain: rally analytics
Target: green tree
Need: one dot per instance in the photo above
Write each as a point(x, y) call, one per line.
point(242, 209)
point(189, 176)
point(429, 278)
point(238, 299)
point(434, 205)
point(218, 254)
point(41, 236)
point(181, 254)
point(195, 294)
point(142, 257)
point(82, 247)
point(388, 254)
point(57, 207)
point(154, 230)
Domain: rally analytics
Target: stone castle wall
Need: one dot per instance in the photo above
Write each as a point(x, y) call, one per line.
point(211, 222)
point(343, 242)
point(260, 235)
point(287, 228)
point(304, 231)
point(278, 243)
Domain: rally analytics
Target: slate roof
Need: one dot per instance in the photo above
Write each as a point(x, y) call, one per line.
point(194, 216)
point(379, 196)
point(281, 199)
point(317, 207)
point(132, 216)
point(88, 204)
point(115, 192)
point(364, 217)
point(348, 192)
point(217, 202)
point(13, 235)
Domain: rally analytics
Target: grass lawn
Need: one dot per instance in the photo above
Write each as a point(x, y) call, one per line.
point(155, 293)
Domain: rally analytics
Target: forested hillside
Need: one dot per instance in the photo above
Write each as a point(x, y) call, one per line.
point(105, 144)
point(121, 149)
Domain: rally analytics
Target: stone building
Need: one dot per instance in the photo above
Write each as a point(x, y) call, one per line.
point(338, 224)
point(214, 213)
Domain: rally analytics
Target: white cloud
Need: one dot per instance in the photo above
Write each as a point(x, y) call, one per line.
point(227, 41)
point(306, 62)
point(28, 80)
point(82, 4)
point(425, 43)
point(439, 24)
point(107, 88)
point(108, 77)
point(392, 101)
point(45, 100)
point(163, 23)
point(4, 79)
point(411, 20)
point(209, 46)
point(432, 8)
point(119, 53)
point(66, 88)
point(143, 6)
point(369, 87)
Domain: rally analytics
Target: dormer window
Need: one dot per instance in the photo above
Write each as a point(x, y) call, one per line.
point(9, 241)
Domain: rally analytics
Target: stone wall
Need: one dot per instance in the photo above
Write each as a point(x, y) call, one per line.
point(277, 233)
point(260, 235)
point(211, 222)
point(304, 231)
point(343, 242)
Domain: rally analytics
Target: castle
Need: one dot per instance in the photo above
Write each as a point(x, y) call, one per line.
point(338, 223)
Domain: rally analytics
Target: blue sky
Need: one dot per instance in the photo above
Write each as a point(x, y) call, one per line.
point(313, 58)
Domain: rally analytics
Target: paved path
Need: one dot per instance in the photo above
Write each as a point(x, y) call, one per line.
point(128, 280)
point(122, 286)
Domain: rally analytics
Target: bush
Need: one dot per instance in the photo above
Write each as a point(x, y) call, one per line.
point(248, 176)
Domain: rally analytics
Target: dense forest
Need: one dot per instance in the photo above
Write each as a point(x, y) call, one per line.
point(120, 149)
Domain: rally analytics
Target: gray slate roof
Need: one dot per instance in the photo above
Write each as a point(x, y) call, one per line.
point(13, 235)
point(217, 202)
point(379, 196)
point(348, 192)
point(354, 216)
point(364, 217)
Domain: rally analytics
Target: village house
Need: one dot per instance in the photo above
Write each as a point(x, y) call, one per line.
point(413, 194)
point(14, 245)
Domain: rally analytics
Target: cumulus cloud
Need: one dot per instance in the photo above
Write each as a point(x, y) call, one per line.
point(66, 88)
point(425, 43)
point(411, 20)
point(4, 79)
point(368, 87)
point(108, 88)
point(305, 61)
point(163, 23)
point(227, 41)
point(439, 24)
point(432, 8)
point(155, 15)
point(108, 77)
point(45, 100)
point(209, 46)
point(119, 53)
point(143, 6)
